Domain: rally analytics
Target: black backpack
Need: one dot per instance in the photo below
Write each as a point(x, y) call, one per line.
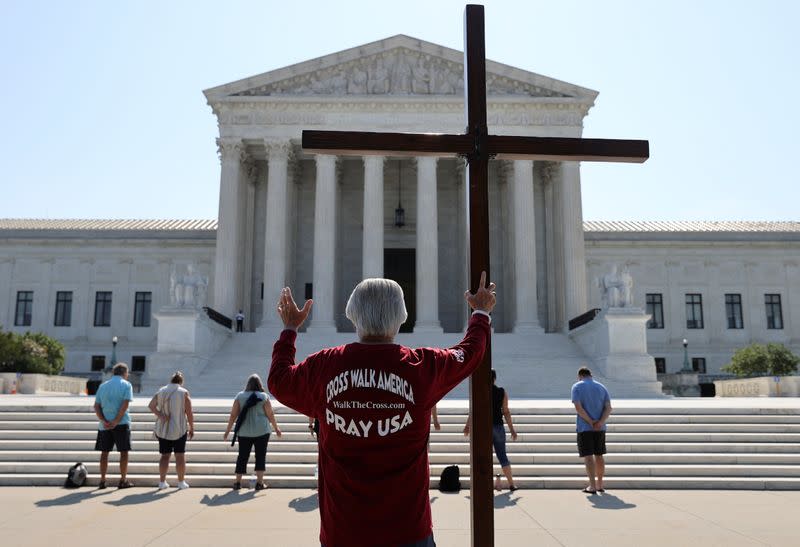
point(76, 476)
point(449, 481)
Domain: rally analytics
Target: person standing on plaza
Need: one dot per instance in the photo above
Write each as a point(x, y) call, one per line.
point(252, 413)
point(172, 406)
point(373, 398)
point(499, 411)
point(111, 407)
point(593, 405)
point(240, 321)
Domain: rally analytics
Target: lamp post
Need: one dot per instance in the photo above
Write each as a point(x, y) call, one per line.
point(686, 366)
point(114, 341)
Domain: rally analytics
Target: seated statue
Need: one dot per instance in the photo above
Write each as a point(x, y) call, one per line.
point(188, 290)
point(617, 288)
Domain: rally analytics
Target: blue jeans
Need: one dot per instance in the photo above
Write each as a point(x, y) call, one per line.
point(499, 442)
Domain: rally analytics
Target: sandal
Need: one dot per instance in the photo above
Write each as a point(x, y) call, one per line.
point(237, 485)
point(124, 484)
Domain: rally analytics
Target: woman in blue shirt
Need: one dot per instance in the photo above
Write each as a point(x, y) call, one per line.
point(254, 429)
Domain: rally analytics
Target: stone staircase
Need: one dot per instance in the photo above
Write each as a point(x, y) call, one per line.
point(535, 364)
point(652, 444)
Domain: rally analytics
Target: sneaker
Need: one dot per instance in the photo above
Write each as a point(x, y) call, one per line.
point(124, 484)
point(101, 485)
point(183, 485)
point(260, 486)
point(163, 485)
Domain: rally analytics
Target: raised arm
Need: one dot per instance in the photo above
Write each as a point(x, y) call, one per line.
point(456, 363)
point(287, 381)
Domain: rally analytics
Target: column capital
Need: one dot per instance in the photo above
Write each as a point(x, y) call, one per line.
point(550, 170)
point(278, 149)
point(251, 171)
point(230, 149)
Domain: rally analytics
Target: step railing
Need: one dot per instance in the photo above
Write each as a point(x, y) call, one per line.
point(583, 318)
point(219, 318)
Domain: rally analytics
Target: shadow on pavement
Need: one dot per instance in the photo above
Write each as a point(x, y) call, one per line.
point(144, 497)
point(504, 500)
point(231, 498)
point(304, 505)
point(73, 498)
point(609, 501)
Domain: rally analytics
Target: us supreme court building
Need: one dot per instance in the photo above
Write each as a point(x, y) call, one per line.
point(321, 223)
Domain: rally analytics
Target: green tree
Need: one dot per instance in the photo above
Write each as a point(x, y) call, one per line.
point(762, 360)
point(34, 353)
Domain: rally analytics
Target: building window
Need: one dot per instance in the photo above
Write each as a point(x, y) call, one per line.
point(102, 309)
point(138, 363)
point(733, 311)
point(699, 364)
point(24, 313)
point(98, 362)
point(655, 307)
point(63, 309)
point(141, 310)
point(661, 365)
point(774, 311)
point(694, 311)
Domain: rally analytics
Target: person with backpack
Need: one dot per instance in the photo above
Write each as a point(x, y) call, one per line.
point(252, 414)
point(499, 411)
point(373, 398)
point(172, 406)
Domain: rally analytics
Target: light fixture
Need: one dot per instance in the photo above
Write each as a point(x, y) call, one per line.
point(399, 213)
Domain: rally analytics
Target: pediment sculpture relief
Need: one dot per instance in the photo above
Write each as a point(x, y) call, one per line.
point(398, 72)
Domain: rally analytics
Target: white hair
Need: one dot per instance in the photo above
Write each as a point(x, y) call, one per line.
point(376, 308)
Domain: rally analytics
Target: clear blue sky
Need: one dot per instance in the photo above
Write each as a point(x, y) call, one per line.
point(104, 115)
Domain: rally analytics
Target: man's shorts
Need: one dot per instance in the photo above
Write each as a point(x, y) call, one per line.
point(165, 446)
point(591, 443)
point(119, 436)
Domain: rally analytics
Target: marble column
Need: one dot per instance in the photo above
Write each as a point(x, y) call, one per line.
point(322, 319)
point(551, 178)
point(524, 248)
point(372, 261)
point(574, 246)
point(226, 266)
point(276, 238)
point(427, 248)
point(248, 207)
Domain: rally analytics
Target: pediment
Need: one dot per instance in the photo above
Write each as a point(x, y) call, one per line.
point(399, 66)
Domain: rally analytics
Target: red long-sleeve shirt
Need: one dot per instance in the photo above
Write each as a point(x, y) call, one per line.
point(374, 404)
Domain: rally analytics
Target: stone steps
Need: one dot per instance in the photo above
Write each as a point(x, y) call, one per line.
point(672, 444)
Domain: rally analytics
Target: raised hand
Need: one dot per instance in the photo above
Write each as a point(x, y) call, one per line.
point(484, 298)
point(290, 314)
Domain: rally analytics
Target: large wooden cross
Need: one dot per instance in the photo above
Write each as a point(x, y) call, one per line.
point(477, 147)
